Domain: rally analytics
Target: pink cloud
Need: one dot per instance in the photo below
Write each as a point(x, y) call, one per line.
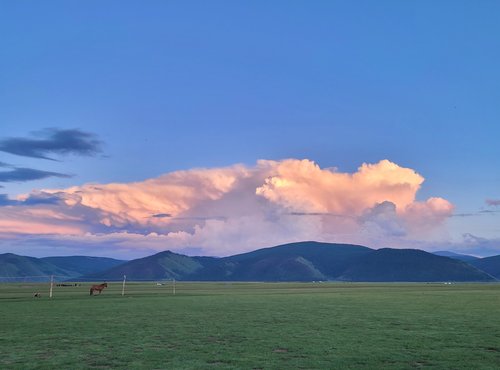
point(303, 186)
point(121, 205)
point(422, 216)
point(27, 227)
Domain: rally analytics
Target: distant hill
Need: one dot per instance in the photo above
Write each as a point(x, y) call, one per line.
point(163, 265)
point(491, 265)
point(411, 265)
point(39, 269)
point(14, 266)
point(303, 261)
point(82, 265)
point(457, 256)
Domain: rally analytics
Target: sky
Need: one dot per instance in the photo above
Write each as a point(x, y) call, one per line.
point(215, 128)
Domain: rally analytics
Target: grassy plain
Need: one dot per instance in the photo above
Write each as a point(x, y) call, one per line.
point(251, 326)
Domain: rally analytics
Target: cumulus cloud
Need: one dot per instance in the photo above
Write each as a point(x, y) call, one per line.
point(304, 186)
point(221, 211)
point(421, 216)
point(53, 141)
point(383, 219)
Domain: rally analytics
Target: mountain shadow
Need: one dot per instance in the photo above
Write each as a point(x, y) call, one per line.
point(491, 265)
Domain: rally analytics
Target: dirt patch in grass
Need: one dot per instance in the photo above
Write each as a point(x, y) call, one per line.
point(419, 364)
point(217, 362)
point(217, 340)
point(280, 350)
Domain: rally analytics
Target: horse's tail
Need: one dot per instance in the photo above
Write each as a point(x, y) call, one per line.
point(91, 291)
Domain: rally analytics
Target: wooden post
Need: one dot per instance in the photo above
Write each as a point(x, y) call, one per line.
point(51, 285)
point(123, 285)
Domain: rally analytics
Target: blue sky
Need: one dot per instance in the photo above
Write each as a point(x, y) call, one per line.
point(177, 85)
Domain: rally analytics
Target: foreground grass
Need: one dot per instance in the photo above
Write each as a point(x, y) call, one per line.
point(252, 326)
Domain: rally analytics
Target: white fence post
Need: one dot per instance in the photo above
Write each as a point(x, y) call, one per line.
point(123, 285)
point(173, 286)
point(51, 285)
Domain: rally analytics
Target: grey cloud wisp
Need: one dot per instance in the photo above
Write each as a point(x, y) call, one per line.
point(32, 200)
point(28, 174)
point(53, 141)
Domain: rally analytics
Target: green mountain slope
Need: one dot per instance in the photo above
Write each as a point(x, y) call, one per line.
point(163, 265)
point(411, 265)
point(82, 265)
point(302, 261)
point(14, 266)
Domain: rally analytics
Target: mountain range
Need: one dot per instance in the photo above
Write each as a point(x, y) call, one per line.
point(13, 266)
point(302, 261)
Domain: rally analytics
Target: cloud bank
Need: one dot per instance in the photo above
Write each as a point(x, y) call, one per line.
point(222, 211)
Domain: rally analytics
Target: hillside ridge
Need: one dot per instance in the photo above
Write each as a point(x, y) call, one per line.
point(299, 261)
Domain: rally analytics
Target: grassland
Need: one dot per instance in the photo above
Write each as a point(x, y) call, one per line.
point(252, 326)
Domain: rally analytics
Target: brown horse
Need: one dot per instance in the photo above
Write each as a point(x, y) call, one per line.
point(98, 288)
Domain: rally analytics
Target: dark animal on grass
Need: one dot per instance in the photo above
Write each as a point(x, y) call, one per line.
point(37, 295)
point(98, 288)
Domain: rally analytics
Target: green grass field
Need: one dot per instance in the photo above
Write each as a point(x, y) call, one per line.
point(251, 326)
